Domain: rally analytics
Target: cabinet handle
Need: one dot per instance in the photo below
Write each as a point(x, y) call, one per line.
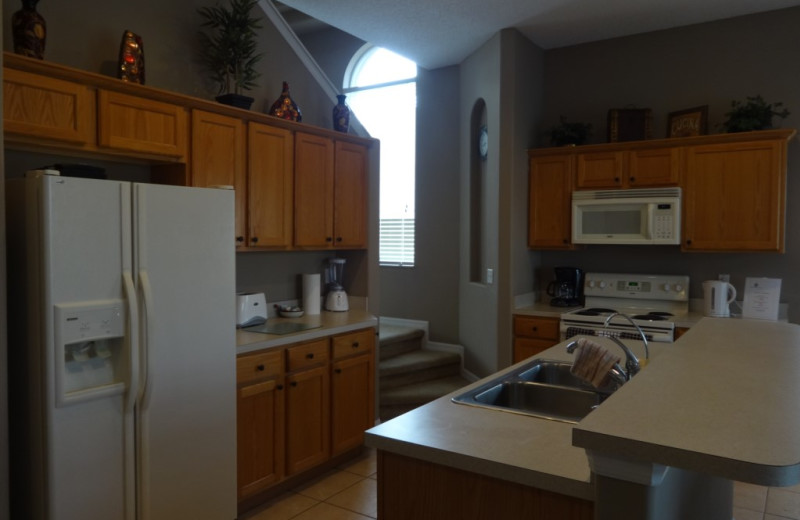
point(240, 239)
point(310, 355)
point(260, 368)
point(254, 240)
point(338, 370)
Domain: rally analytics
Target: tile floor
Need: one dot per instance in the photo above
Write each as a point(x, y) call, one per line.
point(350, 493)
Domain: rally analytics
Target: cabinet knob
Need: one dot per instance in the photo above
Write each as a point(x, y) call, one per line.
point(338, 239)
point(260, 368)
point(279, 387)
point(254, 240)
point(310, 355)
point(355, 344)
point(633, 179)
point(338, 370)
point(616, 180)
point(293, 383)
point(240, 239)
point(688, 241)
point(328, 239)
point(535, 329)
point(566, 241)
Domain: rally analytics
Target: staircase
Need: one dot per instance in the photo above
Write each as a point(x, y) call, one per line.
point(410, 376)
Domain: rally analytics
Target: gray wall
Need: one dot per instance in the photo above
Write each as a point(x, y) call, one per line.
point(711, 64)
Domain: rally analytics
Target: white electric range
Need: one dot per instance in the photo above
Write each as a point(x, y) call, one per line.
point(652, 301)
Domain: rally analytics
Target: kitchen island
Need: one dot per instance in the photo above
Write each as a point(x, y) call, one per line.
point(719, 405)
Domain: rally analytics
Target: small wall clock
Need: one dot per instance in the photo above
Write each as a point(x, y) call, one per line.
point(483, 142)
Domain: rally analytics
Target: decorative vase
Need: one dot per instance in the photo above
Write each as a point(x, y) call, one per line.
point(341, 115)
point(131, 58)
point(29, 30)
point(285, 107)
point(235, 100)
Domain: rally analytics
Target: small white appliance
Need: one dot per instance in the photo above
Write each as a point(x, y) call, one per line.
point(123, 375)
point(336, 300)
point(717, 297)
point(640, 216)
point(251, 309)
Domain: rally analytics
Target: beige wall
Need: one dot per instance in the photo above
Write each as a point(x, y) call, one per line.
point(711, 64)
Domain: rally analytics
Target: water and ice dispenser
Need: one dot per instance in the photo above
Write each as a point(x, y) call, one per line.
point(89, 350)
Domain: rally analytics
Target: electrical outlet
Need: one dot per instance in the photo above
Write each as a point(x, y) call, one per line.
point(724, 278)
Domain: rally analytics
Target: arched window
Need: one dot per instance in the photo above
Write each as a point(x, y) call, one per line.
point(381, 89)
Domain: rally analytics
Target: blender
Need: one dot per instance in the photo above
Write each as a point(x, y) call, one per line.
point(337, 299)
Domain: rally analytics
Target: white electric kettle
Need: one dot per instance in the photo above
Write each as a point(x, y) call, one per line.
point(718, 296)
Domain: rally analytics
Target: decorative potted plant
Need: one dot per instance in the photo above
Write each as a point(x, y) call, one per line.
point(753, 114)
point(570, 133)
point(228, 49)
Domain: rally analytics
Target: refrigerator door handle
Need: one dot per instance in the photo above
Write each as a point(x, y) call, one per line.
point(147, 307)
point(144, 398)
point(133, 391)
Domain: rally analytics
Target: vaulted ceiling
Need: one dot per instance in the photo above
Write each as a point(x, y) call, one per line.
point(437, 33)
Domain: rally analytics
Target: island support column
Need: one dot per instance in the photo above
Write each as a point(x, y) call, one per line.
point(627, 490)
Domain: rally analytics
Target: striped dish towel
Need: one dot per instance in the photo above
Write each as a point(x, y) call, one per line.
point(592, 362)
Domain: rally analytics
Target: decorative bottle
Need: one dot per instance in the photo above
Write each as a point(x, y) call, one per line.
point(29, 30)
point(285, 107)
point(341, 115)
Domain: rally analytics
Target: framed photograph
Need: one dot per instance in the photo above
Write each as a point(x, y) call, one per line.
point(688, 123)
point(629, 124)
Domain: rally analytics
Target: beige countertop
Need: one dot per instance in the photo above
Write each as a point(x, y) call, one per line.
point(325, 324)
point(724, 400)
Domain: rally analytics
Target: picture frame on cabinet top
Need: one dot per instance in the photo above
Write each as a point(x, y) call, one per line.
point(688, 123)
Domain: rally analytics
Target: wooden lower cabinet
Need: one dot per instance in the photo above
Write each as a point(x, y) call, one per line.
point(412, 488)
point(533, 334)
point(300, 407)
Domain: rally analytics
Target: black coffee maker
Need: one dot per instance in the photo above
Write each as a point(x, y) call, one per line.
point(567, 288)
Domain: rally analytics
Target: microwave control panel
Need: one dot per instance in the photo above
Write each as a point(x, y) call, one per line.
point(664, 222)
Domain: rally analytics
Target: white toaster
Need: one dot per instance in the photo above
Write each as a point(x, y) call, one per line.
point(251, 309)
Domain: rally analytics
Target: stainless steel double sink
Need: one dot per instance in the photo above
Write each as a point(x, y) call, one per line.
point(539, 388)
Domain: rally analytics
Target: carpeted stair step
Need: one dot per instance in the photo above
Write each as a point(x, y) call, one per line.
point(417, 366)
point(402, 399)
point(396, 340)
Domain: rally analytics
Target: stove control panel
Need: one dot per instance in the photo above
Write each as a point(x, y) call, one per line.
point(637, 286)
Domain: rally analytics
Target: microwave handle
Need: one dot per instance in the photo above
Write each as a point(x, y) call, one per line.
point(651, 209)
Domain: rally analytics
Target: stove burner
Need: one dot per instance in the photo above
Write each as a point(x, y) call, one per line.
point(595, 311)
point(649, 317)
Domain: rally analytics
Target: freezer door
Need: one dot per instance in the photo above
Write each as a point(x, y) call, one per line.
point(186, 417)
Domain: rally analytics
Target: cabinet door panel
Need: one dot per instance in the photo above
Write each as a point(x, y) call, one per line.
point(657, 167)
point(350, 196)
point(270, 185)
point(351, 401)
point(527, 347)
point(550, 202)
point(307, 419)
point(260, 437)
point(734, 197)
point(600, 170)
point(313, 191)
point(141, 125)
point(42, 107)
point(218, 158)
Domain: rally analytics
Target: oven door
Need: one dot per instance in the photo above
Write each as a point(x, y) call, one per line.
point(610, 222)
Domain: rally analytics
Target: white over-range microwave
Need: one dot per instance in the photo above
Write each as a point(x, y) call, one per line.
point(637, 216)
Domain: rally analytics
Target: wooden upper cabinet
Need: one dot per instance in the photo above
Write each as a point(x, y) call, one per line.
point(137, 124)
point(350, 196)
point(639, 168)
point(550, 201)
point(270, 186)
point(735, 196)
point(313, 191)
point(45, 108)
point(218, 158)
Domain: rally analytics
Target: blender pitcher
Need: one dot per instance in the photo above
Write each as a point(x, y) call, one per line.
point(337, 298)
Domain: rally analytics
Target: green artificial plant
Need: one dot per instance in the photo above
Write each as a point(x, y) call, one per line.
point(228, 48)
point(752, 114)
point(570, 133)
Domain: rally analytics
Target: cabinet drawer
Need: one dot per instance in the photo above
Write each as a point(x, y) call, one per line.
point(527, 347)
point(353, 343)
point(253, 367)
point(536, 327)
point(307, 354)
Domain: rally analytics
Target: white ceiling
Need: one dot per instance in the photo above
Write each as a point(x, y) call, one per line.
point(437, 33)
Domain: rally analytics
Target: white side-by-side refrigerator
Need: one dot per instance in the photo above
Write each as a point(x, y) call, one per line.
point(122, 350)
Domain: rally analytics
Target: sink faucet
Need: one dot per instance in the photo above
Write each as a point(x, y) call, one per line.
point(632, 365)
